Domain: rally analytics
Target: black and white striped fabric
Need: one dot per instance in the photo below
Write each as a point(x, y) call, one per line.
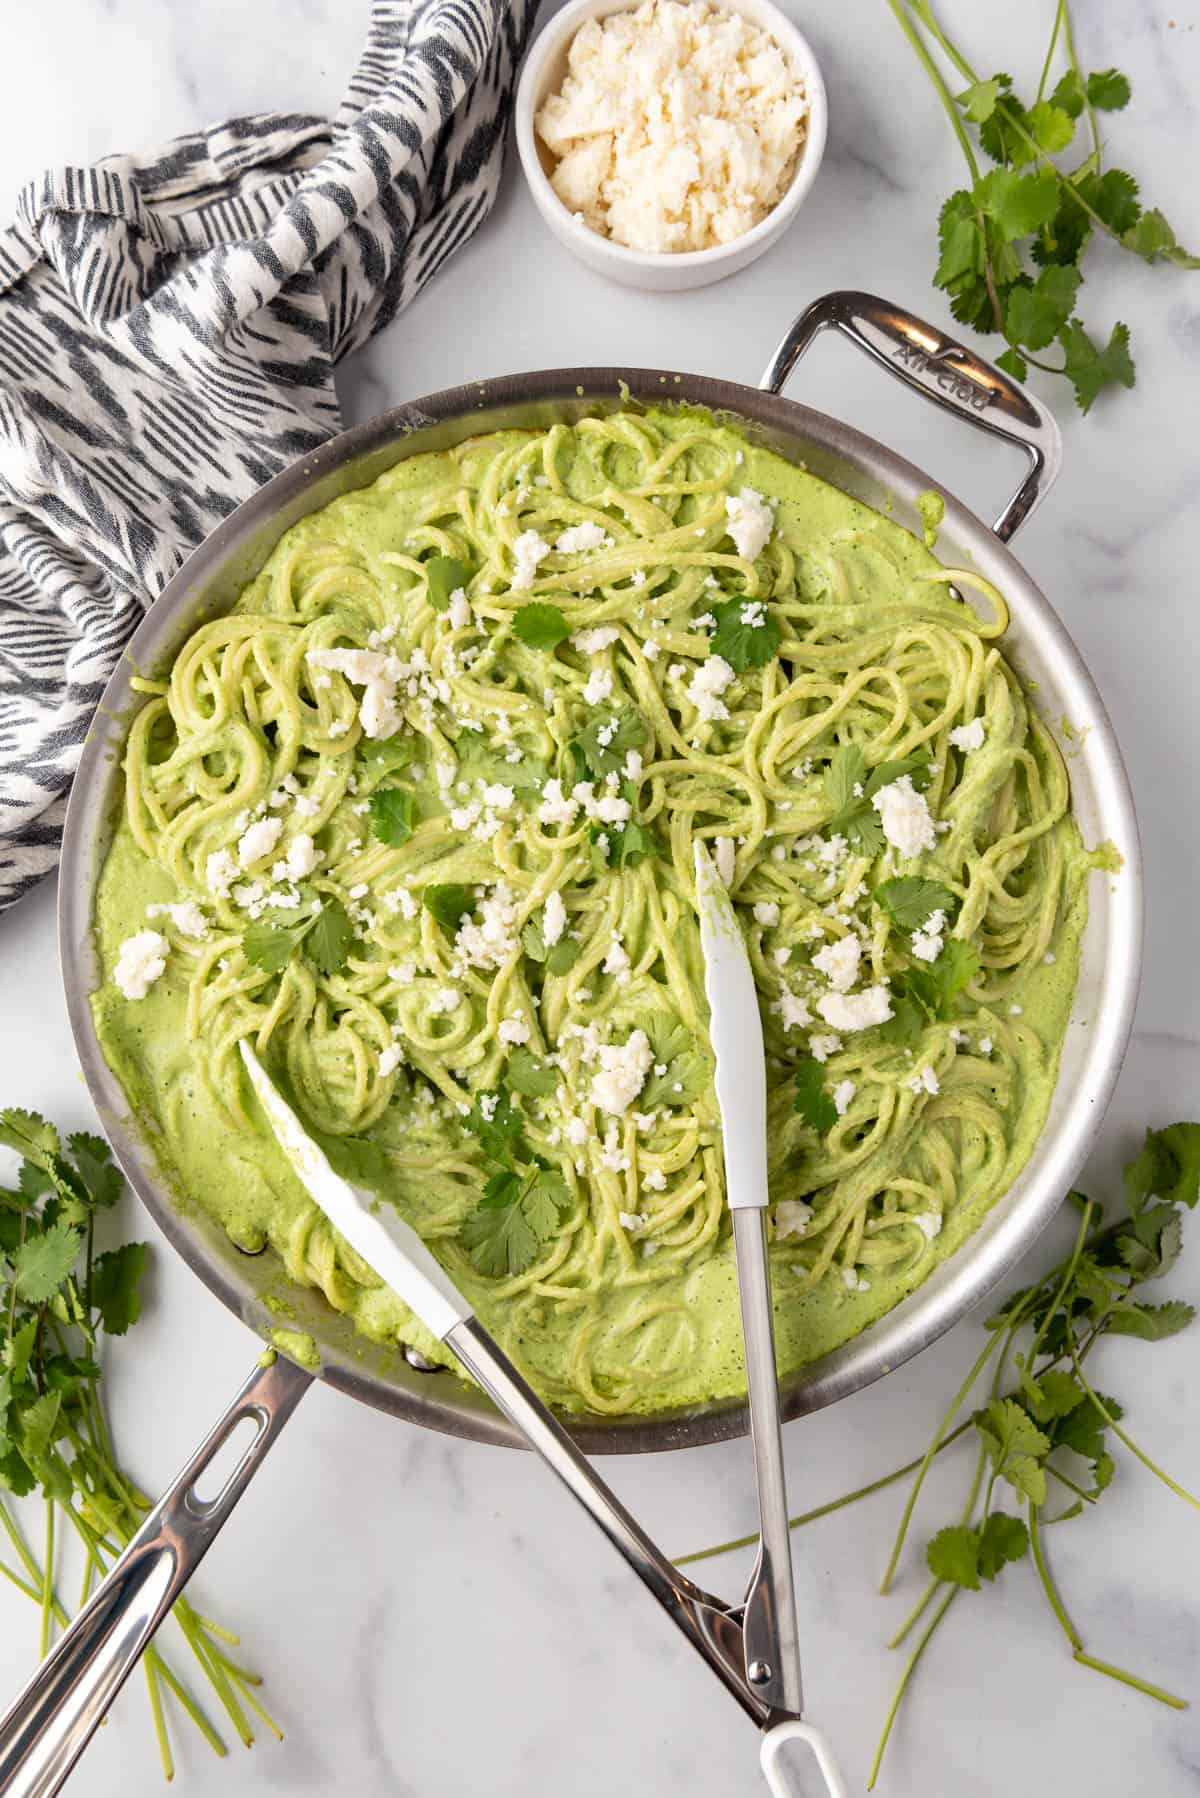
point(168, 331)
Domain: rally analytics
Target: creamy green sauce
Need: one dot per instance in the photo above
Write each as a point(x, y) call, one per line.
point(233, 1170)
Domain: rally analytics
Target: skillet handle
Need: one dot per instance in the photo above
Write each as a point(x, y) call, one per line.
point(52, 1721)
point(942, 370)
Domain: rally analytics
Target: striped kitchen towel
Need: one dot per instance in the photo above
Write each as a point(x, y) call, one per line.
point(169, 326)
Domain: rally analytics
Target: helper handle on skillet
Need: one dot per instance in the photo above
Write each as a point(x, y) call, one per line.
point(52, 1721)
point(942, 370)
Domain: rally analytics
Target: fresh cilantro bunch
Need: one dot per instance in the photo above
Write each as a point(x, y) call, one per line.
point(1045, 1439)
point(59, 1300)
point(1011, 244)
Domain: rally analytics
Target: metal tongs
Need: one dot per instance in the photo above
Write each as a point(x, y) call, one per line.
point(752, 1647)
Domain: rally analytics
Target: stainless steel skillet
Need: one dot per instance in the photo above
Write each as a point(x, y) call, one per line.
point(956, 380)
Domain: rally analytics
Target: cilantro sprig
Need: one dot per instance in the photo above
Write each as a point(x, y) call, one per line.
point(813, 1103)
point(850, 787)
point(1011, 243)
point(1044, 1440)
point(525, 1199)
point(738, 641)
point(60, 1299)
point(324, 933)
point(928, 994)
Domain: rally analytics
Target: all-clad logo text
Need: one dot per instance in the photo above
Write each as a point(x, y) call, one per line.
point(952, 381)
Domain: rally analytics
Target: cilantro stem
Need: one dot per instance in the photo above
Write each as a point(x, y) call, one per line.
point(959, 1399)
point(1059, 16)
point(160, 1722)
point(1078, 1651)
point(1158, 1472)
point(907, 1674)
point(10, 1573)
point(1093, 125)
point(1063, 1285)
point(915, 1614)
point(935, 75)
point(193, 1709)
point(834, 1504)
point(47, 1582)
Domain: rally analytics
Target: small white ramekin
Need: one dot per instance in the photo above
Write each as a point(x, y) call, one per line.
point(661, 271)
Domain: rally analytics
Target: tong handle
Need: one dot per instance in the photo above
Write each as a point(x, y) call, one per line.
point(779, 1777)
point(713, 1629)
point(770, 1630)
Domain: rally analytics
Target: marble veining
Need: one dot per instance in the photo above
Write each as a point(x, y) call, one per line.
point(434, 1618)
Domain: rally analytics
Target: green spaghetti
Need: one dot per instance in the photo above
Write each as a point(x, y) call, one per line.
point(416, 817)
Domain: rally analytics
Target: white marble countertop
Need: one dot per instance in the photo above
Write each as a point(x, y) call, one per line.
point(432, 1618)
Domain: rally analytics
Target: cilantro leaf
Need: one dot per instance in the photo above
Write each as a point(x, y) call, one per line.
point(1091, 370)
point(541, 626)
point(563, 956)
point(1002, 1539)
point(1017, 204)
point(499, 1127)
point(42, 1262)
point(1167, 1167)
point(740, 643)
point(1052, 126)
point(115, 1277)
point(607, 738)
point(1108, 90)
point(444, 576)
point(392, 812)
point(1152, 237)
point(911, 901)
point(533, 942)
point(953, 1556)
point(686, 1070)
point(847, 770)
point(19, 1348)
point(1000, 133)
point(449, 902)
point(515, 1217)
point(1052, 1394)
point(1069, 94)
point(39, 1422)
point(1114, 196)
point(1152, 1323)
point(271, 946)
point(478, 761)
point(383, 755)
point(330, 937)
point(357, 1159)
point(979, 100)
point(1082, 1430)
point(622, 845)
point(1016, 1446)
point(812, 1102)
point(30, 1135)
point(526, 1074)
point(1037, 311)
point(93, 1160)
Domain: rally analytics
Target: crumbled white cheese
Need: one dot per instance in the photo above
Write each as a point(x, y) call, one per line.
point(830, 854)
point(707, 684)
point(591, 642)
point(927, 942)
point(514, 1030)
point(585, 535)
point(925, 1081)
point(750, 522)
point(389, 1059)
point(491, 941)
point(968, 736)
point(1015, 1011)
point(445, 999)
point(500, 797)
point(676, 128)
point(187, 917)
point(985, 1045)
point(838, 962)
point(929, 1223)
point(793, 1011)
point(856, 1011)
point(301, 857)
point(766, 913)
point(792, 1218)
point(599, 687)
point(378, 674)
point(459, 610)
point(528, 550)
point(854, 1281)
point(843, 1095)
point(617, 962)
point(822, 1047)
point(904, 814)
point(622, 1075)
point(557, 807)
point(140, 961)
point(554, 919)
point(631, 1220)
point(258, 840)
